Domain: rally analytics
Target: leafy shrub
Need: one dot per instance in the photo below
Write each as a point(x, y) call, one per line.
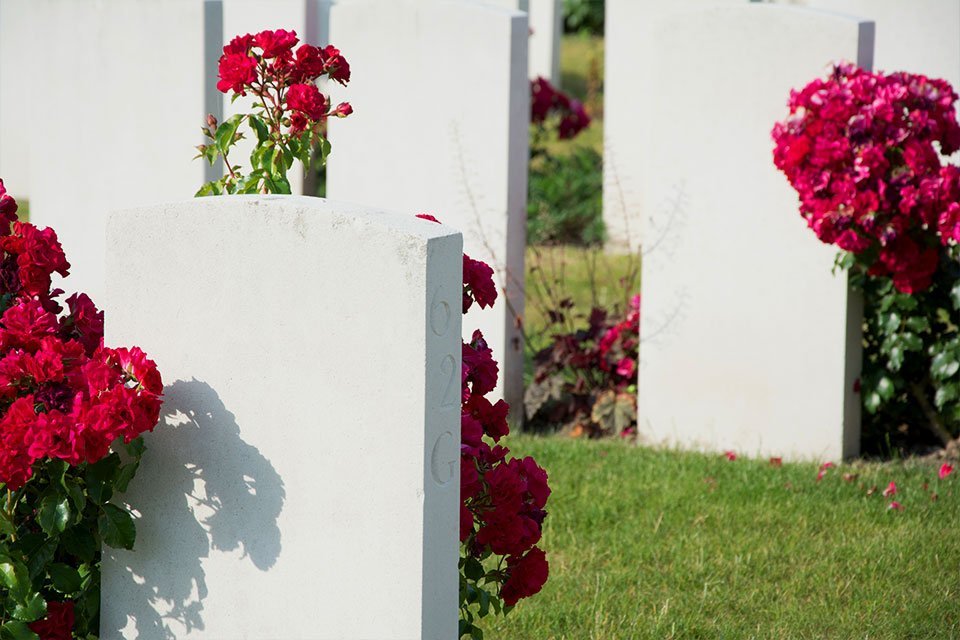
point(565, 191)
point(565, 200)
point(583, 16)
point(585, 381)
point(865, 153)
point(65, 399)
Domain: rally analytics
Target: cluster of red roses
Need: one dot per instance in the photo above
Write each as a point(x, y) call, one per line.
point(617, 347)
point(267, 65)
point(863, 150)
point(62, 394)
point(502, 501)
point(547, 101)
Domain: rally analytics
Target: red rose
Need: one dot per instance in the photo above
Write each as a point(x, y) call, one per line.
point(275, 43)
point(527, 576)
point(8, 210)
point(237, 70)
point(343, 110)
point(482, 369)
point(58, 625)
point(335, 65)
point(309, 64)
point(478, 278)
point(240, 44)
point(308, 100)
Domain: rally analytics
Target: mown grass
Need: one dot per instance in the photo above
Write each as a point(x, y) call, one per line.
point(659, 544)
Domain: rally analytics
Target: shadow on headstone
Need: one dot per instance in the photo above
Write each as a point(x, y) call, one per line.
point(202, 489)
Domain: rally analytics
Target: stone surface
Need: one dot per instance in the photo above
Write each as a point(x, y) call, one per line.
point(920, 36)
point(121, 89)
point(546, 26)
point(441, 99)
point(748, 342)
point(304, 481)
point(631, 60)
point(17, 42)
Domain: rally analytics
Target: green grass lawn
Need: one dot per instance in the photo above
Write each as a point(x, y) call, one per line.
point(659, 544)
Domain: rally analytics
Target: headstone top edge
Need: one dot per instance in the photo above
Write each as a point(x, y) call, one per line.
point(405, 223)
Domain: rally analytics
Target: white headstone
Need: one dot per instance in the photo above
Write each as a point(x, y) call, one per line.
point(441, 115)
point(18, 41)
point(120, 92)
point(631, 60)
point(303, 482)
point(748, 342)
point(919, 36)
point(546, 27)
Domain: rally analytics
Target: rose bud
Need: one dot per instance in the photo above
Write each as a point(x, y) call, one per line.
point(343, 110)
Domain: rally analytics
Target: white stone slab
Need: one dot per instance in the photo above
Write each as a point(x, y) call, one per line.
point(17, 43)
point(441, 111)
point(631, 59)
point(304, 480)
point(920, 36)
point(120, 91)
point(546, 26)
point(748, 342)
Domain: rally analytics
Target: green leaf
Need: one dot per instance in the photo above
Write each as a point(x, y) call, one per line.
point(65, 578)
point(885, 388)
point(39, 556)
point(476, 633)
point(944, 365)
point(79, 542)
point(262, 132)
point(6, 524)
point(872, 401)
point(484, 603)
point(33, 608)
point(918, 323)
point(955, 295)
point(136, 447)
point(54, 515)
point(17, 630)
point(895, 360)
point(911, 342)
point(225, 133)
point(117, 527)
point(945, 394)
point(77, 498)
point(473, 569)
point(891, 323)
point(125, 475)
point(14, 576)
point(100, 477)
point(205, 190)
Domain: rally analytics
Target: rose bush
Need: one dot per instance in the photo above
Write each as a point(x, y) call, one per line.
point(585, 381)
point(866, 154)
point(502, 498)
point(65, 400)
point(289, 111)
